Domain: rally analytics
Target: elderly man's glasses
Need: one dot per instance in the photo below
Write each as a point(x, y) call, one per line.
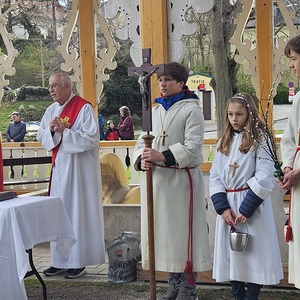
point(53, 86)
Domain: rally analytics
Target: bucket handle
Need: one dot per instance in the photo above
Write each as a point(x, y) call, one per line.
point(233, 229)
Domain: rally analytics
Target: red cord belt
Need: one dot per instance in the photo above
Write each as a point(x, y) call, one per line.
point(237, 190)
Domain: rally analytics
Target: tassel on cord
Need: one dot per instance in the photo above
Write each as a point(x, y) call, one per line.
point(289, 230)
point(189, 269)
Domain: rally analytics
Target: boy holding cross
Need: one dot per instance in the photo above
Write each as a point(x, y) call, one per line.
point(180, 226)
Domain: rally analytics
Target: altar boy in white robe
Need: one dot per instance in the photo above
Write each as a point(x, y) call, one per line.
point(180, 226)
point(241, 184)
point(70, 130)
point(291, 166)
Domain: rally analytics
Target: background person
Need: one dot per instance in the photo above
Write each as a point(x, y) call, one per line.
point(112, 133)
point(180, 226)
point(241, 183)
point(101, 126)
point(70, 130)
point(291, 165)
point(16, 132)
point(16, 129)
point(125, 125)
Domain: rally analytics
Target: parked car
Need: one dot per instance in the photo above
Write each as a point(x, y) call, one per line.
point(31, 128)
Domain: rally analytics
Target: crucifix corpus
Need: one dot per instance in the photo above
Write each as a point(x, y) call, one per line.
point(144, 72)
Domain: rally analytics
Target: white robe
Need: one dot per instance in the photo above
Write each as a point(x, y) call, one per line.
point(260, 262)
point(76, 180)
point(289, 143)
point(184, 125)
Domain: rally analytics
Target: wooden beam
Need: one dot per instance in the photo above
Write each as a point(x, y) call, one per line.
point(264, 43)
point(154, 34)
point(87, 50)
point(27, 161)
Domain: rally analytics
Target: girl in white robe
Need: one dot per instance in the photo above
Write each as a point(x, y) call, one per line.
point(241, 183)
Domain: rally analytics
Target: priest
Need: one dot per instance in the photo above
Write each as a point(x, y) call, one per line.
point(70, 130)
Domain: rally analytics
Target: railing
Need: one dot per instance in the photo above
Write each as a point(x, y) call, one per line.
point(39, 166)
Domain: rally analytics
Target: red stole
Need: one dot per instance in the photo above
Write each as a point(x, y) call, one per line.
point(68, 116)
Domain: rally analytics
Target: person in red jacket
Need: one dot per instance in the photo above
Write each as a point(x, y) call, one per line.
point(112, 133)
point(125, 125)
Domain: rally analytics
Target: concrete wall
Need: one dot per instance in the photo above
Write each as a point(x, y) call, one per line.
point(119, 218)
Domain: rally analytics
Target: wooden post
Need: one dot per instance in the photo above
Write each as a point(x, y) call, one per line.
point(264, 42)
point(87, 50)
point(154, 35)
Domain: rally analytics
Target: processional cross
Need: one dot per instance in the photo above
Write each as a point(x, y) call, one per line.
point(144, 72)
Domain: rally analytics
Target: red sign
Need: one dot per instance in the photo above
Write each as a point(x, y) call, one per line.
point(201, 87)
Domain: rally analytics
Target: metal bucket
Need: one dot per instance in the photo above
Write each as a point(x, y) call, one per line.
point(238, 240)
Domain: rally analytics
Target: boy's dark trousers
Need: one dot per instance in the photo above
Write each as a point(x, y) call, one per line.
point(240, 293)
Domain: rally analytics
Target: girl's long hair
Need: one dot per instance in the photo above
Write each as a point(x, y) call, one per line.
point(253, 129)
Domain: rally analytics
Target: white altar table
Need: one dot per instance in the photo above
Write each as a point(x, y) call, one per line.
point(25, 222)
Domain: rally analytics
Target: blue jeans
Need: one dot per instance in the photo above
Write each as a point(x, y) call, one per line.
point(181, 278)
point(240, 293)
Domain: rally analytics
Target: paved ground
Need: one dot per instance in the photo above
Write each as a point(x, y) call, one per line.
point(41, 258)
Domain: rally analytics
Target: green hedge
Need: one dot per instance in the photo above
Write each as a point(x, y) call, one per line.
point(32, 93)
point(282, 96)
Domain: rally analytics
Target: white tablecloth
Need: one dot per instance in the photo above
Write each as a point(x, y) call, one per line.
point(25, 222)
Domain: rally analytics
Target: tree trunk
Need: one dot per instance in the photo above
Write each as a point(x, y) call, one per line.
point(225, 68)
point(53, 5)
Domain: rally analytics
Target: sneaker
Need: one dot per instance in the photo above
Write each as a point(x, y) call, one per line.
point(187, 293)
point(75, 273)
point(53, 271)
point(171, 293)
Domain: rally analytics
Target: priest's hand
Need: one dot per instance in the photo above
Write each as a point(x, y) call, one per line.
point(53, 124)
point(229, 216)
point(58, 126)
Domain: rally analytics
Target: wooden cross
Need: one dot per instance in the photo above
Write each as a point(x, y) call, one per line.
point(163, 135)
point(234, 166)
point(144, 72)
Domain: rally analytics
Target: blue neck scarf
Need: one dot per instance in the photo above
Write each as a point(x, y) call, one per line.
point(167, 102)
